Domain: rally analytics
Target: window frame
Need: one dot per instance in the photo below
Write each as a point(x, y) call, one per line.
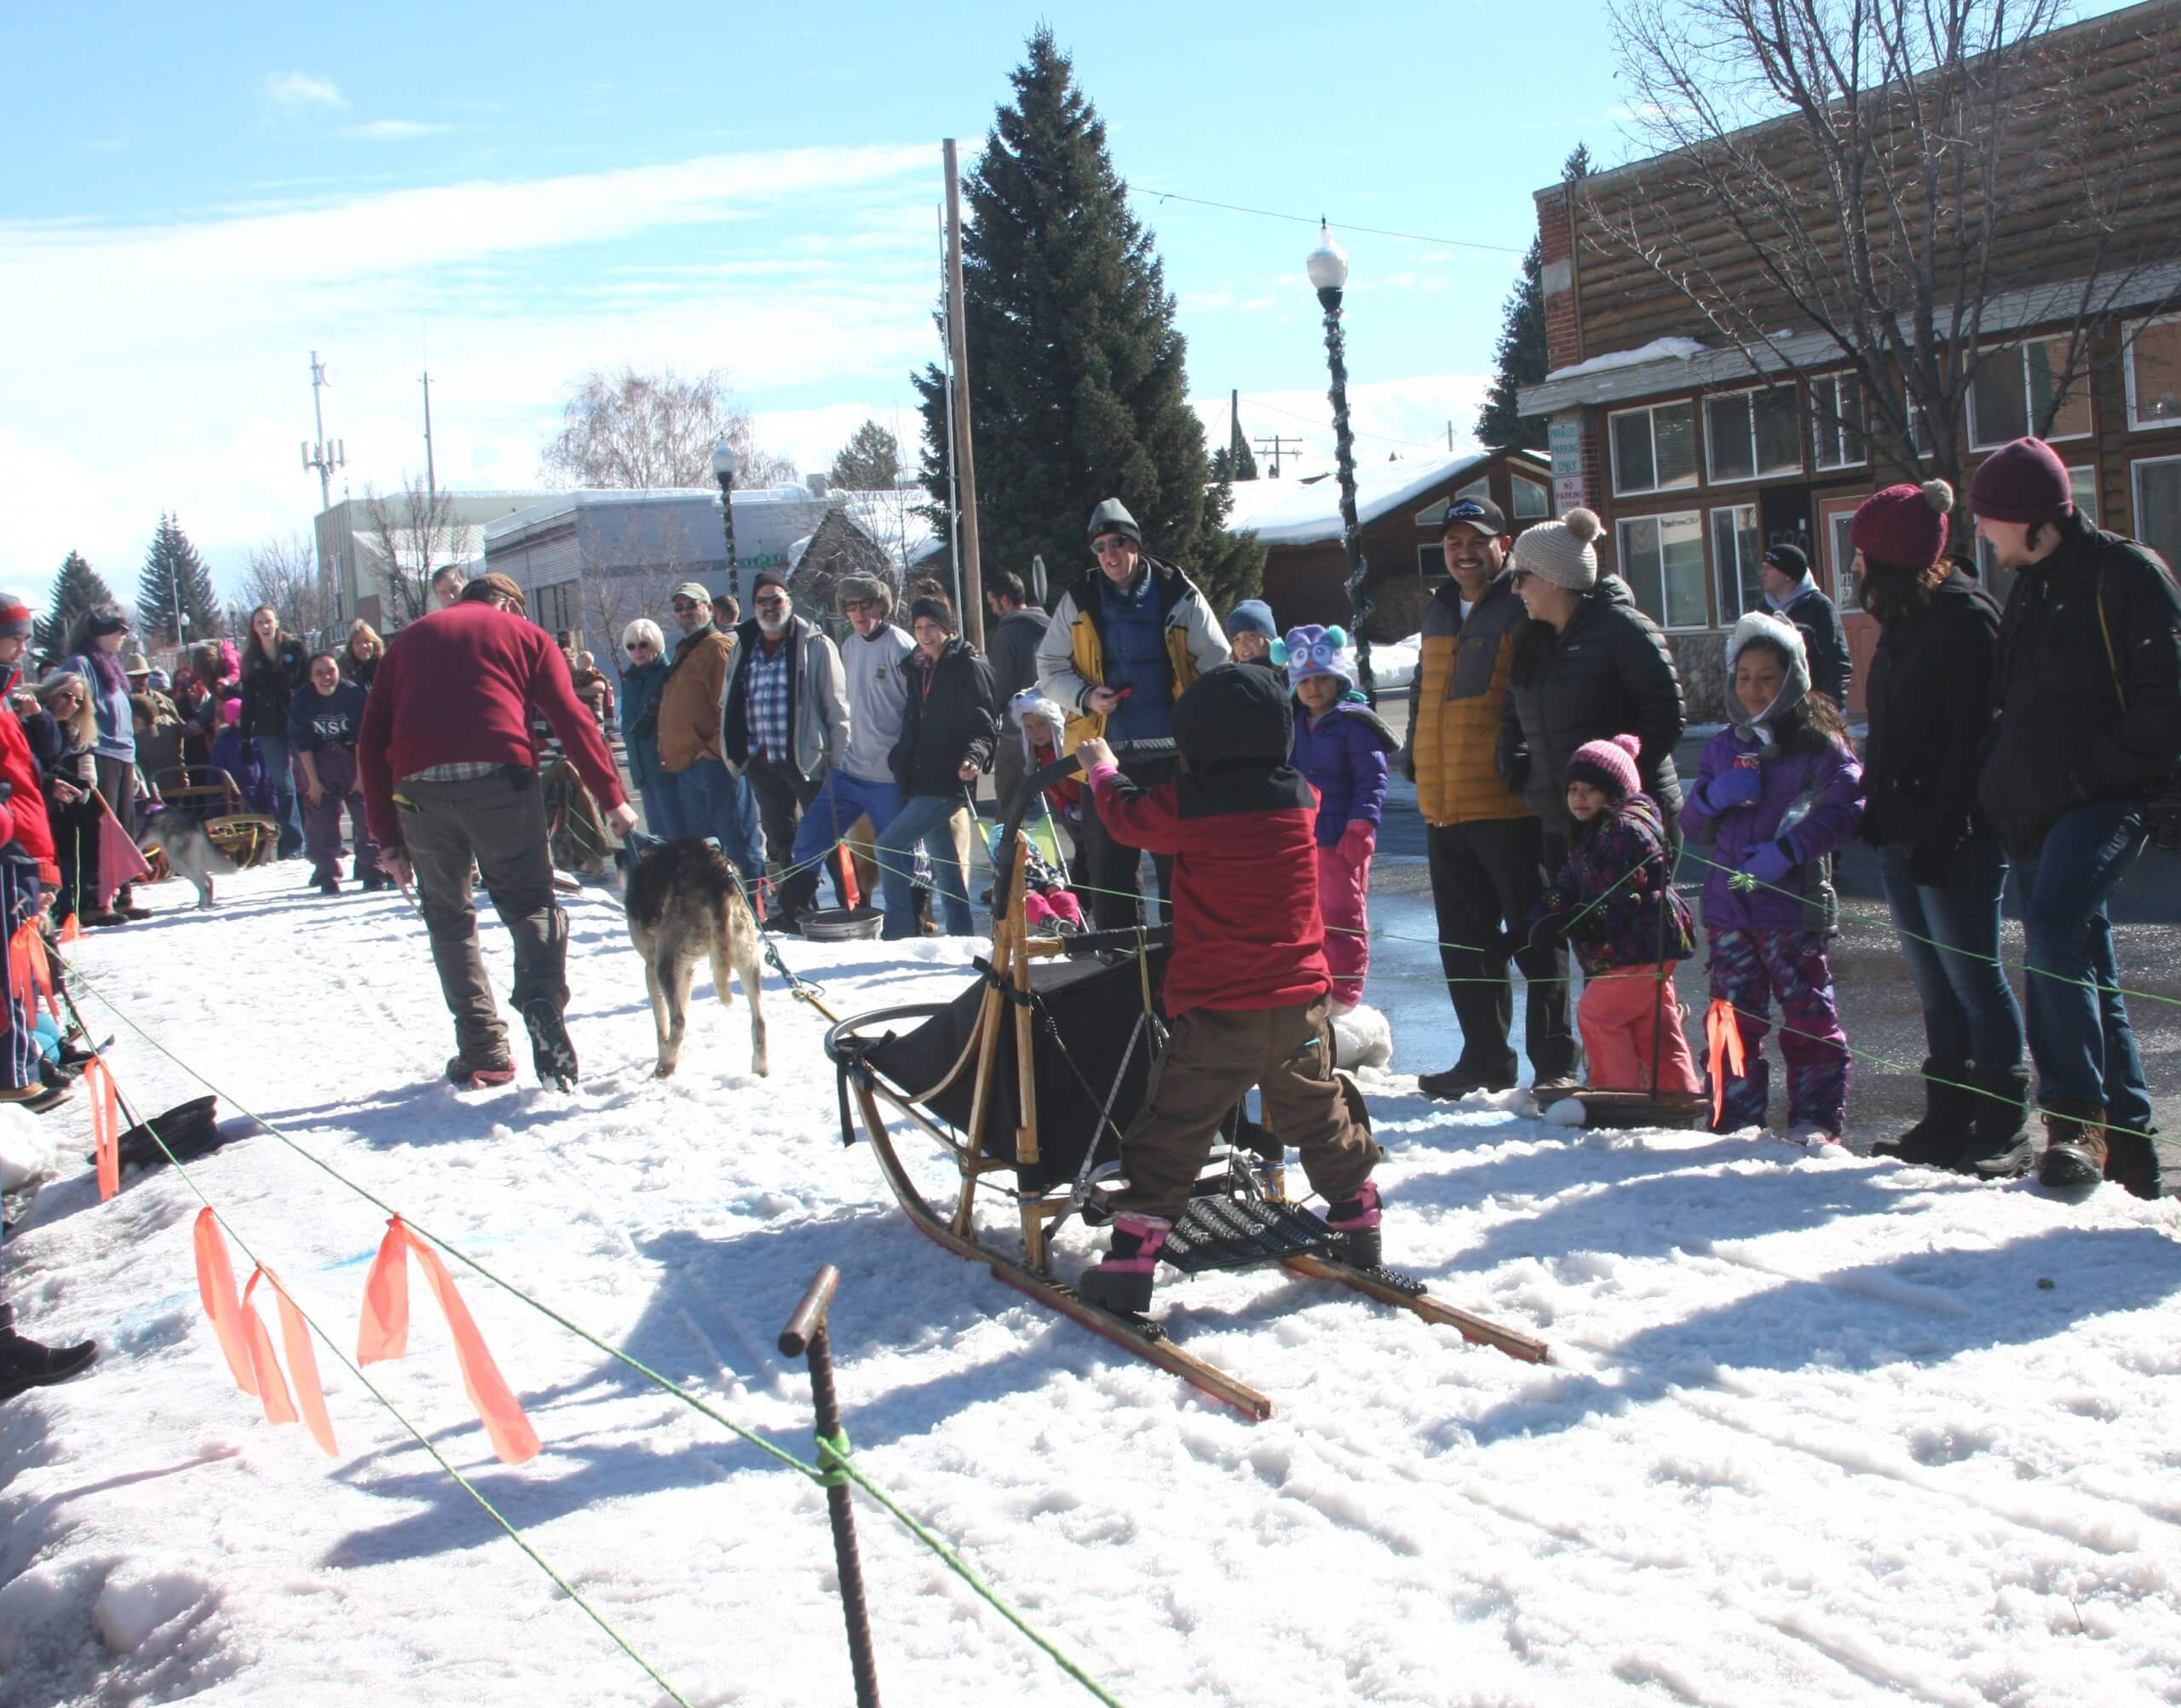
point(1649, 411)
point(1695, 517)
point(1843, 379)
point(2128, 334)
point(1984, 365)
point(1749, 395)
point(1522, 483)
point(2136, 489)
point(1719, 569)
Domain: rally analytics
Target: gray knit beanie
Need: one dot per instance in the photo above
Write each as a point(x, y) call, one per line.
point(1561, 552)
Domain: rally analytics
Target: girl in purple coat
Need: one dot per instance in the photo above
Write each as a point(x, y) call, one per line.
point(1778, 790)
point(1341, 745)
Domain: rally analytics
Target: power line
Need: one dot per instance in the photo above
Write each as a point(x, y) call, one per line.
point(1313, 421)
point(1312, 218)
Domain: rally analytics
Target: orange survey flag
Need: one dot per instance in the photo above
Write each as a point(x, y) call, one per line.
point(106, 1129)
point(1723, 1038)
point(384, 1333)
point(119, 862)
point(310, 1392)
point(272, 1387)
point(30, 975)
point(71, 932)
point(215, 1286)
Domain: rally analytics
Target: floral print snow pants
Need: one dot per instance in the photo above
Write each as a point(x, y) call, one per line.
point(1789, 967)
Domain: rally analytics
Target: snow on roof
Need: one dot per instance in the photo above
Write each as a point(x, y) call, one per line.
point(889, 519)
point(1289, 512)
point(1658, 350)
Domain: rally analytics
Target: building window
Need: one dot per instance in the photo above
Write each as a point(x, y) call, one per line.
point(1737, 555)
point(1533, 500)
point(554, 608)
point(2158, 505)
point(1753, 433)
point(2013, 388)
point(2082, 488)
point(1836, 421)
point(1653, 449)
point(1662, 561)
point(1844, 579)
point(2082, 484)
point(1430, 561)
point(1480, 488)
point(1919, 438)
point(2153, 371)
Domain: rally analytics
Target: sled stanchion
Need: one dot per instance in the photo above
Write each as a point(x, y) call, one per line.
point(805, 1337)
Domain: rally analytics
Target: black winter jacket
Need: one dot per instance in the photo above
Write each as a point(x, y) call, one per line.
point(1607, 673)
point(1824, 642)
point(1930, 701)
point(1015, 640)
point(949, 717)
point(268, 689)
point(2088, 684)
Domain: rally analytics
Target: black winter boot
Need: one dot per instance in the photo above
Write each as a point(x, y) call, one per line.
point(550, 1053)
point(2075, 1145)
point(1999, 1146)
point(1121, 1281)
point(2131, 1161)
point(26, 1364)
point(1949, 1113)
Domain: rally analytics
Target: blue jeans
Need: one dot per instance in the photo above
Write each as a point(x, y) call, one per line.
point(662, 809)
point(2079, 1032)
point(274, 749)
point(927, 820)
point(1950, 938)
point(841, 800)
point(715, 802)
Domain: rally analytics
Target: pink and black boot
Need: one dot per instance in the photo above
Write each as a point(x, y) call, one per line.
point(1121, 1281)
point(1356, 1220)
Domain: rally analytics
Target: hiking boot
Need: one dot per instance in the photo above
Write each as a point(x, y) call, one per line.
point(784, 923)
point(26, 1364)
point(103, 916)
point(124, 904)
point(470, 1077)
point(328, 886)
point(1356, 1221)
point(550, 1053)
point(2075, 1145)
point(1462, 1081)
point(36, 1097)
point(1999, 1146)
point(1121, 1281)
point(1949, 1107)
point(2131, 1161)
point(1550, 1090)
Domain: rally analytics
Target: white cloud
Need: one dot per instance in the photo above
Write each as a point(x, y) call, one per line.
point(392, 129)
point(294, 92)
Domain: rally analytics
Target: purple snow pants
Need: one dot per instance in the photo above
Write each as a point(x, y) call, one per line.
point(1788, 967)
point(337, 770)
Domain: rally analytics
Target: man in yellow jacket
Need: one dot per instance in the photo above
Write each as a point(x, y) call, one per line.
point(1487, 847)
point(1122, 645)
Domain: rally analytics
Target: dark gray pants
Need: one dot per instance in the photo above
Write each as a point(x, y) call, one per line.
point(783, 792)
point(499, 821)
point(1486, 875)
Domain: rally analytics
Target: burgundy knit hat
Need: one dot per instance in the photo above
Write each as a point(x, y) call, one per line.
point(1904, 526)
point(1609, 765)
point(2025, 482)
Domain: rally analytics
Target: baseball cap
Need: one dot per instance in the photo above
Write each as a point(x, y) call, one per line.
point(1480, 514)
point(694, 591)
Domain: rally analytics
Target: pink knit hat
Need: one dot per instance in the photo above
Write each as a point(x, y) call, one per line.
point(1904, 526)
point(1609, 765)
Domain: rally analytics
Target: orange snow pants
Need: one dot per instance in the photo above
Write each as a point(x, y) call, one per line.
point(1617, 1015)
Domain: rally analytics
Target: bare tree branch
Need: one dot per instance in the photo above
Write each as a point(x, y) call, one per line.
point(414, 534)
point(283, 574)
point(630, 432)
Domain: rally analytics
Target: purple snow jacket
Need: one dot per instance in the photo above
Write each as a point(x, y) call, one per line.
point(1343, 753)
point(1823, 784)
point(1614, 919)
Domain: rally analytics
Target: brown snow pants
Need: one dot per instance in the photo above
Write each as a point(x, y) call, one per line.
point(1213, 1056)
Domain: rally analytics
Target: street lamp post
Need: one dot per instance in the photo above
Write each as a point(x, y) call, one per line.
point(1327, 266)
point(723, 472)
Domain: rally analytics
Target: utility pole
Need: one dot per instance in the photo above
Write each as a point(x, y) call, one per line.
point(322, 456)
point(1269, 445)
point(431, 476)
point(970, 562)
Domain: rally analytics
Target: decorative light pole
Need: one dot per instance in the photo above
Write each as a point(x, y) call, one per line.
point(1327, 266)
point(723, 472)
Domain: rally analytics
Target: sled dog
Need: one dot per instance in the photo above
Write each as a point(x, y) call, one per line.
point(190, 853)
point(684, 908)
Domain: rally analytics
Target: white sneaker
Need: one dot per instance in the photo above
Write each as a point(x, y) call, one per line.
point(1811, 1135)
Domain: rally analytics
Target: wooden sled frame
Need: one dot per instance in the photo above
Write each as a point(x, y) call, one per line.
point(247, 838)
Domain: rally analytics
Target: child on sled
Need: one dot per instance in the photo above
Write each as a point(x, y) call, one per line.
point(1614, 900)
point(1247, 988)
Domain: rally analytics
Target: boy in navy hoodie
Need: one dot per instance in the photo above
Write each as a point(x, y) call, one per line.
point(1247, 988)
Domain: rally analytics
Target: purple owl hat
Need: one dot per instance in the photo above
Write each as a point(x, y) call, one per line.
point(1315, 651)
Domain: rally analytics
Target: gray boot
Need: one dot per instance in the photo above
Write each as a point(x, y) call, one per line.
point(1999, 1146)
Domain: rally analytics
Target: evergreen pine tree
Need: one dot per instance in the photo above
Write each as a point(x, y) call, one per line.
point(1077, 387)
point(76, 588)
point(871, 462)
point(173, 574)
point(1519, 358)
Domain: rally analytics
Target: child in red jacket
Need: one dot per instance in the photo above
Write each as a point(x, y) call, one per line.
point(1247, 988)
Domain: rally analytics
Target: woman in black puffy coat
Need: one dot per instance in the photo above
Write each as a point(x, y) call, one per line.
point(272, 664)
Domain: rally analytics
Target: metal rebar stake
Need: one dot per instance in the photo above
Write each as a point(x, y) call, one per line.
point(804, 1337)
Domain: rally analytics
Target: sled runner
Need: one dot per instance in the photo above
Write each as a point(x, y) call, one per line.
point(207, 796)
point(1024, 1082)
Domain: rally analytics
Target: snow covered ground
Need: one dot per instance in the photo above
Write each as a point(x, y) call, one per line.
point(1820, 1429)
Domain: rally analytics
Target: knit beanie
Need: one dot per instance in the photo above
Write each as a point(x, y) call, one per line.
point(1314, 651)
point(938, 610)
point(1607, 765)
point(2025, 482)
point(14, 616)
point(1252, 616)
point(1561, 552)
point(1112, 517)
point(1904, 526)
point(765, 579)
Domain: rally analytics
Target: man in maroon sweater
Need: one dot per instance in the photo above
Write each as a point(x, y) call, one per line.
point(450, 776)
point(1247, 988)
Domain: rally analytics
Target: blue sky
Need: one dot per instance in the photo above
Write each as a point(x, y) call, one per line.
point(515, 195)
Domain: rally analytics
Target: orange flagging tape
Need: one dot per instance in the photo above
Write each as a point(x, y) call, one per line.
point(70, 930)
point(1722, 1038)
point(272, 1386)
point(310, 1392)
point(383, 1333)
point(215, 1286)
point(106, 1128)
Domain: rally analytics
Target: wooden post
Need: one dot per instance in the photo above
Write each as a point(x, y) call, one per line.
point(965, 470)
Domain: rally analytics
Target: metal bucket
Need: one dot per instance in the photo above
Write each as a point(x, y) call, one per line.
point(843, 924)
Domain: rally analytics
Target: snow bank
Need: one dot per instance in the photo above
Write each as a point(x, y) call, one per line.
point(1393, 664)
point(139, 1596)
point(27, 1147)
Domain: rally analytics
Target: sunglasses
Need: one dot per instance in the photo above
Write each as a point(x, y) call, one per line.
point(682, 607)
point(640, 647)
point(853, 605)
point(1111, 543)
